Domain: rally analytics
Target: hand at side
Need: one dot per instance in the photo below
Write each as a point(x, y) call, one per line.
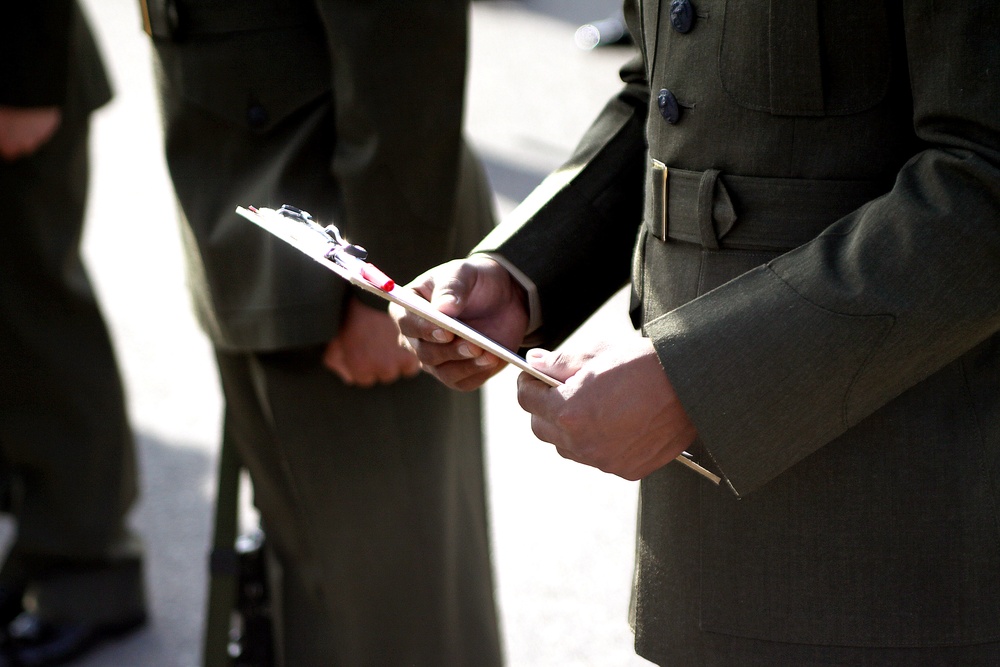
point(24, 130)
point(366, 350)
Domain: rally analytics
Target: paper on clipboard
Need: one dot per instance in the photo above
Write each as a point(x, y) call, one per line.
point(310, 241)
point(314, 241)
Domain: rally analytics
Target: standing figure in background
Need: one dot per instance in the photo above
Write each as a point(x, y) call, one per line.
point(369, 481)
point(73, 575)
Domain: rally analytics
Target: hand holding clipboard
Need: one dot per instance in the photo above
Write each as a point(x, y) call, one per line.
point(326, 246)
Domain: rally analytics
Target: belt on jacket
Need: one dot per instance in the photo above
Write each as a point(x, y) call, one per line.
point(176, 20)
point(720, 210)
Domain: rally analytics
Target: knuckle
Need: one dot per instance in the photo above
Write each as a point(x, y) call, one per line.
point(565, 454)
point(569, 420)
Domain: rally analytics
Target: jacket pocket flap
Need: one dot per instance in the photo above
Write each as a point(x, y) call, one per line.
point(252, 78)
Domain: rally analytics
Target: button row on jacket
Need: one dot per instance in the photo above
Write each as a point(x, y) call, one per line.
point(682, 20)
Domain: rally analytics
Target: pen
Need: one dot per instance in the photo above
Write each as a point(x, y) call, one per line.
point(367, 270)
point(375, 276)
point(351, 257)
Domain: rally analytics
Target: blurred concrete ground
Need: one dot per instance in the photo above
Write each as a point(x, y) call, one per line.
point(563, 534)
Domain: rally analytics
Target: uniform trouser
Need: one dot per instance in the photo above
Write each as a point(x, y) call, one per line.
point(66, 448)
point(373, 502)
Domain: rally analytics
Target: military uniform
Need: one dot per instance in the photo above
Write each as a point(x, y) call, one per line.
point(372, 499)
point(66, 445)
point(815, 187)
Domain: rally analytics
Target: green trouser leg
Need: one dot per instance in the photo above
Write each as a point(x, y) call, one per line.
point(64, 434)
point(374, 507)
point(223, 566)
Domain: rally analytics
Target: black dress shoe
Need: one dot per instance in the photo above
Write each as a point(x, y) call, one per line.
point(32, 642)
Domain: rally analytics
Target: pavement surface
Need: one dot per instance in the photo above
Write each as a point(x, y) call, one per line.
point(563, 533)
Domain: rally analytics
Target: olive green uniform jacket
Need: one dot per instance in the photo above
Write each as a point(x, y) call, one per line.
point(373, 500)
point(394, 174)
point(815, 187)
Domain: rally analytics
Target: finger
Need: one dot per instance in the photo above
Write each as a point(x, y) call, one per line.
point(554, 364)
point(401, 364)
point(540, 401)
point(435, 354)
point(410, 366)
point(412, 325)
point(423, 285)
point(571, 448)
point(14, 151)
point(396, 312)
point(414, 369)
point(452, 287)
point(445, 289)
point(409, 324)
point(334, 359)
point(404, 343)
point(569, 455)
point(449, 296)
point(545, 431)
point(466, 375)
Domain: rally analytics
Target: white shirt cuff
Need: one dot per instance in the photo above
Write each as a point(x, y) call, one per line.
point(534, 307)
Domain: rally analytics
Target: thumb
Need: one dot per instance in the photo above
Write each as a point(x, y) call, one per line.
point(554, 364)
point(450, 296)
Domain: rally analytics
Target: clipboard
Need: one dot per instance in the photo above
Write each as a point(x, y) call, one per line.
point(317, 244)
point(328, 248)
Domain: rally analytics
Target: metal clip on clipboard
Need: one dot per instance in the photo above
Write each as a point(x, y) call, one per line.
point(327, 246)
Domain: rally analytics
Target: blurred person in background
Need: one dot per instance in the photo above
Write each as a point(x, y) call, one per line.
point(368, 477)
point(73, 575)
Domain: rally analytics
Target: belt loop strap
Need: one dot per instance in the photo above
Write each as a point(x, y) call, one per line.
point(706, 200)
point(723, 211)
